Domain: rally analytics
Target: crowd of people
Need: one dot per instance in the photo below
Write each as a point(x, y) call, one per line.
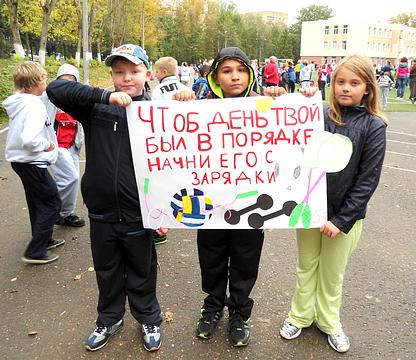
point(46, 131)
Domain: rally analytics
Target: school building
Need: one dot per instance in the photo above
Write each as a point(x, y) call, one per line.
point(328, 41)
point(270, 17)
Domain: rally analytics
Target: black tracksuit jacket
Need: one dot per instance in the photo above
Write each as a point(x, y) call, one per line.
point(108, 185)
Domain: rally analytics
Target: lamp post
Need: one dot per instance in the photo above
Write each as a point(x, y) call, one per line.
point(85, 53)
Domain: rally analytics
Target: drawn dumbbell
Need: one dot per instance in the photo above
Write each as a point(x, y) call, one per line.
point(256, 221)
point(264, 202)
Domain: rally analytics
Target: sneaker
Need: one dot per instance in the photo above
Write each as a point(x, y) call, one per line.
point(151, 337)
point(339, 342)
point(289, 331)
point(100, 336)
point(239, 330)
point(54, 243)
point(71, 220)
point(207, 324)
point(159, 239)
point(48, 258)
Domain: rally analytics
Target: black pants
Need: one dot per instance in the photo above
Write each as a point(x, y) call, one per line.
point(43, 203)
point(125, 263)
point(322, 88)
point(229, 257)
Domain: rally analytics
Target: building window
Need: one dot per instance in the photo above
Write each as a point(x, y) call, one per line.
point(344, 45)
point(326, 46)
point(325, 60)
point(326, 30)
point(334, 60)
point(334, 45)
point(345, 29)
point(335, 29)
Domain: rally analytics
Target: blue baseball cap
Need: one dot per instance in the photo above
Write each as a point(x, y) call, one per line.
point(133, 53)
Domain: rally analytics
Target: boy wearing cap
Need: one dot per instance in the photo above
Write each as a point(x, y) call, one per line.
point(123, 251)
point(65, 171)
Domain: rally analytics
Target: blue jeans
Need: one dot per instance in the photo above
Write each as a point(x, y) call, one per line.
point(401, 85)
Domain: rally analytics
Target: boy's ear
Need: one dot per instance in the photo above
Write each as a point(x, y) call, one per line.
point(148, 74)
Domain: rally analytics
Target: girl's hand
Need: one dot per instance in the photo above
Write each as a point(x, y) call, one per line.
point(330, 230)
point(309, 92)
point(120, 98)
point(162, 231)
point(184, 95)
point(273, 91)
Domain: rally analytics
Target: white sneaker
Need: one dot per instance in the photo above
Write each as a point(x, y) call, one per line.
point(339, 342)
point(289, 331)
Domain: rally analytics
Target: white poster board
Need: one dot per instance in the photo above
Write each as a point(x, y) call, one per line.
point(228, 163)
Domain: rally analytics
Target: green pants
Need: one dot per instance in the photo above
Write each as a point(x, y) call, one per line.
point(319, 277)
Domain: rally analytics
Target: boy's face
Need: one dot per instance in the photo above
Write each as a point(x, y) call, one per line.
point(39, 89)
point(160, 73)
point(233, 77)
point(128, 77)
point(67, 77)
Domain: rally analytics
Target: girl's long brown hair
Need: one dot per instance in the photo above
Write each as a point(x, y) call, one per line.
point(362, 67)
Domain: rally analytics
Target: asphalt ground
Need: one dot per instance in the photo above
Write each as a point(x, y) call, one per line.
point(47, 314)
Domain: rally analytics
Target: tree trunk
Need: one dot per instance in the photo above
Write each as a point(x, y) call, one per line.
point(47, 7)
point(14, 28)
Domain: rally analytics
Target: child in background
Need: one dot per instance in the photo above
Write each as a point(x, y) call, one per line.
point(166, 69)
point(323, 253)
point(230, 257)
point(123, 251)
point(201, 87)
point(384, 82)
point(65, 171)
point(31, 147)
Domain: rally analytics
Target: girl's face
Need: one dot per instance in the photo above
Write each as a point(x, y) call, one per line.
point(349, 88)
point(233, 77)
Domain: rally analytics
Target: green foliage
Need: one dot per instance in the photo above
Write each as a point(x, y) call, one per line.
point(408, 19)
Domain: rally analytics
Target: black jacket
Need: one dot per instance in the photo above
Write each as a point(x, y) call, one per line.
point(350, 189)
point(108, 185)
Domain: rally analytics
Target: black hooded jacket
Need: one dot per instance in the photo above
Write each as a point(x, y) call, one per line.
point(350, 189)
point(108, 185)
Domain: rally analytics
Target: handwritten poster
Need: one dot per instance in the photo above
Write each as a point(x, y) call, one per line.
point(230, 163)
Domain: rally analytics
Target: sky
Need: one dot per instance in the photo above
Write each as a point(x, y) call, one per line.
point(377, 10)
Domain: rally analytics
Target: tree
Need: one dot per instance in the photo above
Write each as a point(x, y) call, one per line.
point(47, 7)
point(408, 19)
point(310, 13)
point(12, 5)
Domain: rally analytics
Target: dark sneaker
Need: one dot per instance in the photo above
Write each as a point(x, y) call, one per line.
point(100, 336)
point(207, 324)
point(339, 342)
point(159, 239)
point(289, 331)
point(71, 220)
point(239, 330)
point(151, 337)
point(54, 243)
point(48, 258)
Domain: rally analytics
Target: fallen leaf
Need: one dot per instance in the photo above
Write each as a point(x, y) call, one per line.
point(32, 333)
point(168, 316)
point(369, 297)
point(90, 269)
point(14, 279)
point(77, 277)
point(3, 178)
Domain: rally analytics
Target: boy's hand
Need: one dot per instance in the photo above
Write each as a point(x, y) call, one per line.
point(162, 231)
point(273, 91)
point(184, 95)
point(120, 98)
point(330, 230)
point(309, 92)
point(51, 147)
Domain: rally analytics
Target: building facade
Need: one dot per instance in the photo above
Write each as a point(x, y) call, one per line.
point(328, 41)
point(271, 17)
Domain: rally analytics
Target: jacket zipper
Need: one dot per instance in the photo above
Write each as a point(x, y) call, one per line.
point(116, 170)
